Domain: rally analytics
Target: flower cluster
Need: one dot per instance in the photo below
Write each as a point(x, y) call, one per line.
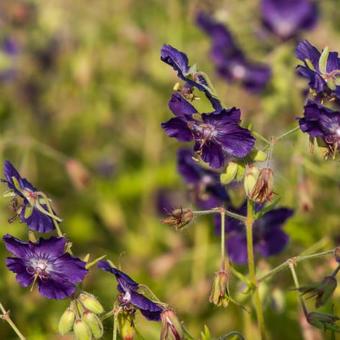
point(230, 61)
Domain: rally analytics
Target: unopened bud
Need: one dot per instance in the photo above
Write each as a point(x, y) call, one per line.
point(81, 330)
point(323, 321)
point(126, 325)
point(66, 321)
point(94, 324)
point(250, 179)
point(179, 218)
point(219, 294)
point(171, 327)
point(91, 303)
point(229, 174)
point(263, 189)
point(79, 175)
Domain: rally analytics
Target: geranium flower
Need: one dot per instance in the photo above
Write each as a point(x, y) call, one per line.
point(268, 237)
point(217, 135)
point(129, 295)
point(46, 264)
point(229, 59)
point(288, 18)
point(8, 54)
point(323, 72)
point(27, 203)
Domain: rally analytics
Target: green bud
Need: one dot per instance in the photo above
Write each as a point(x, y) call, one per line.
point(171, 327)
point(323, 321)
point(323, 60)
point(240, 172)
point(325, 290)
point(229, 174)
point(81, 330)
point(90, 303)
point(94, 324)
point(126, 325)
point(66, 321)
point(250, 179)
point(259, 156)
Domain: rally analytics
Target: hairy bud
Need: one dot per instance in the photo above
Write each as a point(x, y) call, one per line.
point(171, 327)
point(126, 325)
point(81, 330)
point(90, 303)
point(263, 189)
point(66, 321)
point(179, 218)
point(94, 324)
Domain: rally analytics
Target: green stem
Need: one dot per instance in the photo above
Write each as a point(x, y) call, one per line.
point(291, 265)
point(287, 133)
point(5, 316)
point(259, 136)
point(297, 259)
point(223, 237)
point(251, 267)
point(218, 211)
point(115, 328)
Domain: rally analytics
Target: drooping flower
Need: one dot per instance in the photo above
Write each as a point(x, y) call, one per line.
point(268, 237)
point(129, 295)
point(230, 61)
point(193, 78)
point(321, 69)
point(288, 18)
point(217, 136)
point(45, 263)
point(322, 123)
point(27, 202)
point(204, 184)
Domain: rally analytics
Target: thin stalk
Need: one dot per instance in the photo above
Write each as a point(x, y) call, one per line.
point(291, 265)
point(115, 328)
point(297, 259)
point(5, 316)
point(251, 267)
point(259, 136)
point(223, 237)
point(218, 211)
point(287, 133)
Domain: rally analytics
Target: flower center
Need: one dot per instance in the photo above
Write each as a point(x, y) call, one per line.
point(238, 71)
point(39, 268)
point(31, 196)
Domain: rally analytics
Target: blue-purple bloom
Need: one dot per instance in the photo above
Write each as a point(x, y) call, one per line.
point(230, 61)
point(193, 78)
point(323, 75)
point(46, 264)
point(217, 136)
point(323, 123)
point(129, 293)
point(9, 50)
point(205, 185)
point(287, 18)
point(27, 201)
point(268, 236)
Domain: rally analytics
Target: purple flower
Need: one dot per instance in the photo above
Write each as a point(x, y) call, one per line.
point(217, 135)
point(193, 78)
point(321, 122)
point(268, 237)
point(205, 184)
point(323, 75)
point(129, 293)
point(28, 205)
point(9, 49)
point(46, 264)
point(229, 59)
point(287, 18)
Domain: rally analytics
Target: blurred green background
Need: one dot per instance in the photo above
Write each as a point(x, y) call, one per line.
point(80, 117)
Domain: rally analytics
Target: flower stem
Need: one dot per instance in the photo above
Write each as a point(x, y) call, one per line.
point(297, 259)
point(287, 133)
point(251, 267)
point(5, 316)
point(222, 236)
point(218, 211)
point(115, 328)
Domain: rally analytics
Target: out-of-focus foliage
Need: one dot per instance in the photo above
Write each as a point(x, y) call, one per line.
point(80, 116)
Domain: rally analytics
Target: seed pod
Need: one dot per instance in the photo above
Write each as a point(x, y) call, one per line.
point(179, 218)
point(263, 189)
point(90, 303)
point(66, 321)
point(219, 294)
point(94, 324)
point(81, 330)
point(126, 325)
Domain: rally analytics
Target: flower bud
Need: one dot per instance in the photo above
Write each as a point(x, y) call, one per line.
point(229, 173)
point(250, 179)
point(219, 294)
point(66, 321)
point(126, 325)
point(323, 321)
point(94, 324)
point(79, 175)
point(91, 303)
point(179, 218)
point(263, 189)
point(171, 327)
point(81, 330)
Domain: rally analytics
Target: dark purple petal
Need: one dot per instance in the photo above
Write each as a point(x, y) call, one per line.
point(121, 277)
point(257, 76)
point(177, 128)
point(333, 62)
point(18, 266)
point(176, 59)
point(220, 118)
point(179, 106)
point(272, 242)
point(37, 220)
point(274, 218)
point(237, 248)
point(305, 50)
point(10, 47)
point(212, 154)
point(52, 247)
point(148, 308)
point(187, 167)
point(69, 268)
point(17, 247)
point(56, 288)
point(152, 316)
